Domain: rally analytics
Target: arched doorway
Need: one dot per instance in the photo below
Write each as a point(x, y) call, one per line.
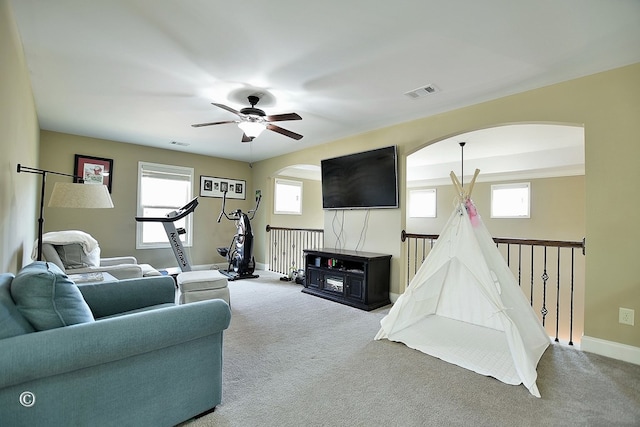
point(549, 158)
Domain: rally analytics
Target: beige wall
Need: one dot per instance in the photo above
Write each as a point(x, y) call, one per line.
point(557, 210)
point(608, 106)
point(18, 144)
point(115, 228)
point(311, 206)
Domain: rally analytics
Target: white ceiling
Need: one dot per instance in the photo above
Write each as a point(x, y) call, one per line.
point(501, 153)
point(143, 71)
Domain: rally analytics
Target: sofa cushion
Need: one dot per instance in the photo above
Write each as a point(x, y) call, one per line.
point(74, 256)
point(12, 323)
point(47, 298)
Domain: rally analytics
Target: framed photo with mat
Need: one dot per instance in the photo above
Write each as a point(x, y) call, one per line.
point(93, 170)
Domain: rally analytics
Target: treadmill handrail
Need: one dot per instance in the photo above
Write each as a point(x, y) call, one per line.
point(181, 213)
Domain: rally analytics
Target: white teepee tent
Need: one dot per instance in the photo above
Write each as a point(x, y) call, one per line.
point(464, 305)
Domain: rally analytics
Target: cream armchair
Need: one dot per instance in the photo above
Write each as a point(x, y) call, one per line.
point(77, 252)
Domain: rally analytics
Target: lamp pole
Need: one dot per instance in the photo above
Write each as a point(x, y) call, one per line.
point(42, 173)
point(462, 163)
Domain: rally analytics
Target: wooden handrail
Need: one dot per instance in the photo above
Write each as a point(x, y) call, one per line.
point(269, 228)
point(509, 240)
point(404, 236)
point(535, 242)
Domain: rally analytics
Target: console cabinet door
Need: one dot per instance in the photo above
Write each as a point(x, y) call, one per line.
point(355, 287)
point(314, 279)
point(333, 282)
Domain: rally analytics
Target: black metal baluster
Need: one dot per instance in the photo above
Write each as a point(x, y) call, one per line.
point(520, 265)
point(531, 275)
point(544, 277)
point(558, 298)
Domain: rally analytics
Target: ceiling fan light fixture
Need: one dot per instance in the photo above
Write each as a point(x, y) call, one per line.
point(251, 129)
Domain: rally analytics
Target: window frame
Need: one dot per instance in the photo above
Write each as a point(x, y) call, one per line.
point(289, 182)
point(434, 191)
point(512, 185)
point(187, 238)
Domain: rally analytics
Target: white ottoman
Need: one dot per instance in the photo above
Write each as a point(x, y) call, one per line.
point(201, 285)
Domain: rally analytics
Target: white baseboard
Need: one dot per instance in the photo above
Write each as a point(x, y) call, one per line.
point(614, 350)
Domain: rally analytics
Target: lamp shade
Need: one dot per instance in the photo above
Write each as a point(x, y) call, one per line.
point(69, 195)
point(251, 129)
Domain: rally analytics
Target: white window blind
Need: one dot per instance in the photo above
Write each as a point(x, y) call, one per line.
point(287, 197)
point(510, 200)
point(162, 189)
point(422, 203)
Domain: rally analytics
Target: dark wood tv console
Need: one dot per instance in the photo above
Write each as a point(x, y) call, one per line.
point(358, 279)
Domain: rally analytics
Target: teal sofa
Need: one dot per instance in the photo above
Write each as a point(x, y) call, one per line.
point(107, 354)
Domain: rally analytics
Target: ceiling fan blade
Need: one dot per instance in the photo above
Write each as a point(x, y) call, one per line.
point(283, 117)
point(284, 132)
point(214, 123)
point(224, 107)
point(245, 138)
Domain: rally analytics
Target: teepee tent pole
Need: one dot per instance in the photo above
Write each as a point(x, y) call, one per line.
point(473, 182)
point(456, 183)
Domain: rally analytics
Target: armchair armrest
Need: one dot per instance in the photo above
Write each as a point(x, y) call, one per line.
point(121, 271)
point(109, 298)
point(72, 348)
point(105, 262)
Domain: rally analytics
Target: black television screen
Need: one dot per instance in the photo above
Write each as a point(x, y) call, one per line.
point(361, 181)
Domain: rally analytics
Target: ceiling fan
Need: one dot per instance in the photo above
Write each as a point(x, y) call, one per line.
point(253, 121)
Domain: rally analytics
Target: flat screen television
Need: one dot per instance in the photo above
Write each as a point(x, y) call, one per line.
point(366, 180)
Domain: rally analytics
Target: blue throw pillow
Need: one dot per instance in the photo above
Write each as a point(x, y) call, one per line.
point(47, 298)
point(12, 323)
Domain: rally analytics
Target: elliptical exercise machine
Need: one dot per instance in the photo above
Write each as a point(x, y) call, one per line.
point(239, 254)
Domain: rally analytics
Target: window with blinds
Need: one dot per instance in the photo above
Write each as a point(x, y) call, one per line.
point(287, 197)
point(511, 200)
point(162, 189)
point(422, 203)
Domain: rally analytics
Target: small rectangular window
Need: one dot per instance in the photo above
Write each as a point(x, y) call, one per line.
point(422, 203)
point(162, 189)
point(287, 197)
point(510, 200)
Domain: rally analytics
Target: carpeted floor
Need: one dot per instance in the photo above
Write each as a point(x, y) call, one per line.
point(292, 359)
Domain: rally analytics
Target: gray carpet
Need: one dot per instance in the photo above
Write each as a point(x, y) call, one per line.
point(292, 359)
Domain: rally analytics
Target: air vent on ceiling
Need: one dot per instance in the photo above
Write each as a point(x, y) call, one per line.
point(182, 144)
point(422, 91)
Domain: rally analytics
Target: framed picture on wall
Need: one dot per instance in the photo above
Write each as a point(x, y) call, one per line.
point(93, 170)
point(211, 186)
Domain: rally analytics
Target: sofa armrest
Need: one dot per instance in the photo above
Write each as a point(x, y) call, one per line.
point(73, 348)
point(122, 271)
point(109, 298)
point(105, 262)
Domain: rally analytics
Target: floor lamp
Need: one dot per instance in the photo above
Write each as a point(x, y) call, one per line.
point(68, 195)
